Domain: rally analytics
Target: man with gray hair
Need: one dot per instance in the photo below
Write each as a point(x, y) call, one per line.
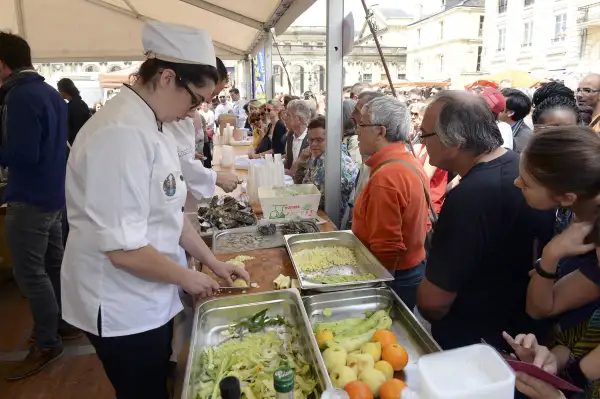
point(391, 213)
point(300, 113)
point(483, 244)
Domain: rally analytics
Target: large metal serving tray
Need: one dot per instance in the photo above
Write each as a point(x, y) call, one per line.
point(367, 262)
point(350, 304)
point(214, 316)
point(275, 241)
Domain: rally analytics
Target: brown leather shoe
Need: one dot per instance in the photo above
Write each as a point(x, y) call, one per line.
point(35, 361)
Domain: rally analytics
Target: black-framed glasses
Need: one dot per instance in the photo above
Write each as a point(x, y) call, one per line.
point(369, 124)
point(196, 99)
point(587, 90)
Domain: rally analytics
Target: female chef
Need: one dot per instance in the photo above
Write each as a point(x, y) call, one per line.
point(125, 197)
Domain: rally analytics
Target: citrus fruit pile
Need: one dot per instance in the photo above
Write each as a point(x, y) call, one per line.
point(360, 359)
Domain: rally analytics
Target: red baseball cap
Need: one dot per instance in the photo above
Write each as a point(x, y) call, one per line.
point(495, 100)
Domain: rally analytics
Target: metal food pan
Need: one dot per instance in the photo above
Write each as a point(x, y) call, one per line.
point(367, 262)
point(405, 326)
point(214, 316)
point(275, 241)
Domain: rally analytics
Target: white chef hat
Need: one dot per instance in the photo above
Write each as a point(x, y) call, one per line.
point(178, 43)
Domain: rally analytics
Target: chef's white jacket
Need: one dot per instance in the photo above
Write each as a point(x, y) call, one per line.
point(200, 181)
point(125, 190)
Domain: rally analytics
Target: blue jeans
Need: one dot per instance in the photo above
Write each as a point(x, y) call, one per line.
point(406, 282)
point(34, 237)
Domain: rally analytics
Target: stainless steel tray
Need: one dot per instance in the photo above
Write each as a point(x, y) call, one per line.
point(214, 316)
point(409, 332)
point(367, 262)
point(243, 243)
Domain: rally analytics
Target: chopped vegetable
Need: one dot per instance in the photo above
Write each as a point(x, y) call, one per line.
point(253, 359)
point(320, 258)
point(327, 312)
point(282, 282)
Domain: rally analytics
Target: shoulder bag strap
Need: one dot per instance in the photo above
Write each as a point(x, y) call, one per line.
point(595, 121)
point(432, 213)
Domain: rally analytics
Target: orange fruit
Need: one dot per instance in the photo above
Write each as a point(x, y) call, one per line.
point(385, 337)
point(358, 390)
point(396, 355)
point(391, 389)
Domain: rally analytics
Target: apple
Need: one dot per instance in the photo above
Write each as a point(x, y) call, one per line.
point(342, 376)
point(323, 337)
point(334, 357)
point(373, 349)
point(374, 379)
point(385, 368)
point(360, 362)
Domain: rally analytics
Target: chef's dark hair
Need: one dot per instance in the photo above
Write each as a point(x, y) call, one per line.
point(554, 153)
point(318, 122)
point(198, 75)
point(222, 71)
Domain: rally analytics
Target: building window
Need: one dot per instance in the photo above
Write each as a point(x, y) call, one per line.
point(527, 34)
point(441, 63)
point(502, 6)
point(401, 76)
point(441, 30)
point(527, 3)
point(367, 77)
point(114, 68)
point(383, 77)
point(481, 21)
point(419, 67)
point(306, 45)
point(91, 68)
point(479, 55)
point(501, 40)
point(560, 28)
point(418, 37)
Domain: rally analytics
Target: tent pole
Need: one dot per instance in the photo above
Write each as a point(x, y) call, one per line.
point(333, 160)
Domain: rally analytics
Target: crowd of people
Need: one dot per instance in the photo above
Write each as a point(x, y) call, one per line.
point(483, 204)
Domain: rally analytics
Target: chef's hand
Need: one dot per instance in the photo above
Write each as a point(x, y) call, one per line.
point(199, 284)
point(226, 271)
point(535, 388)
point(227, 181)
point(199, 156)
point(528, 350)
point(571, 242)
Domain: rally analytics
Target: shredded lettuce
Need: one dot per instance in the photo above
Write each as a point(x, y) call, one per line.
point(253, 359)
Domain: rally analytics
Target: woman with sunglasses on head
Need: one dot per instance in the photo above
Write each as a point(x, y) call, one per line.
point(273, 141)
point(560, 167)
point(125, 196)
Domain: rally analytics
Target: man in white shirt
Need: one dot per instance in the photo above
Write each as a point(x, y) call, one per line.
point(497, 104)
point(300, 112)
point(223, 108)
point(238, 108)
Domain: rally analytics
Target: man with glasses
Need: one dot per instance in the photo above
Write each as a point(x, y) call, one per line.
point(588, 94)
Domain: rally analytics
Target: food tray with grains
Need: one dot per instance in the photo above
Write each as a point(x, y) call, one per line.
point(264, 236)
point(334, 261)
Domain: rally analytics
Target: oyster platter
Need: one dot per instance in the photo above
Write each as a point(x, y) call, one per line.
point(223, 213)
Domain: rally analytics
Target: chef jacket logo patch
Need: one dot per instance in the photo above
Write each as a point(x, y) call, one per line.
point(170, 185)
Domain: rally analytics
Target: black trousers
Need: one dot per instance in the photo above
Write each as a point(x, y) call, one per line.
point(207, 152)
point(137, 365)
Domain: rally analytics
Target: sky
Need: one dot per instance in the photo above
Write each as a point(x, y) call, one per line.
point(316, 15)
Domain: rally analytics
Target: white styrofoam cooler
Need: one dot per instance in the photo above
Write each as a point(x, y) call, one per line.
point(297, 200)
point(475, 371)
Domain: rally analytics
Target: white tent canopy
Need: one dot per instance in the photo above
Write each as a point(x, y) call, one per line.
point(105, 30)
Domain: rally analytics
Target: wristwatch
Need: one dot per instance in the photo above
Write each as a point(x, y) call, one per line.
point(542, 273)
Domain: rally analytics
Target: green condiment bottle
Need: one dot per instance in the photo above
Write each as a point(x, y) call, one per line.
point(283, 380)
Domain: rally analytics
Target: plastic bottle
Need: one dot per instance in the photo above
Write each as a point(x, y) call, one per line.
point(335, 394)
point(283, 381)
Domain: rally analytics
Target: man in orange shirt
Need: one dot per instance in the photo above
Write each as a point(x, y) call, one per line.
point(588, 93)
point(391, 213)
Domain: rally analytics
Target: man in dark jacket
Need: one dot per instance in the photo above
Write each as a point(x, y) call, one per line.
point(33, 137)
point(518, 106)
point(79, 112)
